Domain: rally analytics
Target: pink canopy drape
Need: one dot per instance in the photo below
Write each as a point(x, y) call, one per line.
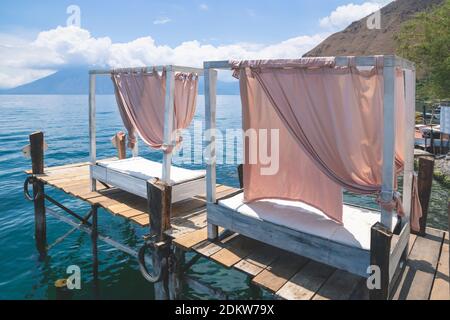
point(334, 117)
point(141, 100)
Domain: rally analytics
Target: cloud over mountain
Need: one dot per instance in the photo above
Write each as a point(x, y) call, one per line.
point(23, 61)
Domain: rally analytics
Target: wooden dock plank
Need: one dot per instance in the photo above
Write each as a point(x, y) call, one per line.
point(339, 286)
point(305, 283)
point(208, 248)
point(279, 272)
point(289, 276)
point(236, 250)
point(142, 220)
point(441, 287)
point(187, 241)
point(258, 260)
point(417, 279)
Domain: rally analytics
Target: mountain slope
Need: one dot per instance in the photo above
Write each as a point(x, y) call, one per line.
point(76, 81)
point(357, 39)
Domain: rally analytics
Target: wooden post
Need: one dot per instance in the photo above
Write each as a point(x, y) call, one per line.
point(159, 197)
point(94, 240)
point(388, 125)
point(380, 249)
point(425, 181)
point(176, 274)
point(121, 146)
point(168, 123)
point(92, 129)
point(37, 162)
point(210, 120)
point(241, 175)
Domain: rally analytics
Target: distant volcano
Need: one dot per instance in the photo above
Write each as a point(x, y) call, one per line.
point(76, 81)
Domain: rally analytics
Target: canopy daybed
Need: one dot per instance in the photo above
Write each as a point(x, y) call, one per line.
point(153, 102)
point(344, 123)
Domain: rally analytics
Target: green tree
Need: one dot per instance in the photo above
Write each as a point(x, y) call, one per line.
point(425, 40)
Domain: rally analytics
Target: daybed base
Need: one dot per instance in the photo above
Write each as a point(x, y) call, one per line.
point(138, 186)
point(389, 255)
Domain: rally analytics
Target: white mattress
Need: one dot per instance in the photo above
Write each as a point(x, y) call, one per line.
point(141, 168)
point(299, 216)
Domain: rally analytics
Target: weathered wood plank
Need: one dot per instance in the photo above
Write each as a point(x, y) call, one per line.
point(186, 242)
point(339, 286)
point(258, 260)
point(425, 180)
point(142, 220)
point(56, 168)
point(208, 248)
point(441, 287)
point(237, 249)
point(305, 283)
point(417, 279)
point(280, 271)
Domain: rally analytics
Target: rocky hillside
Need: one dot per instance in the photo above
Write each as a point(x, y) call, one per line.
point(358, 39)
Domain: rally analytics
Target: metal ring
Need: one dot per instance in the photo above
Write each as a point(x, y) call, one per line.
point(145, 273)
point(27, 193)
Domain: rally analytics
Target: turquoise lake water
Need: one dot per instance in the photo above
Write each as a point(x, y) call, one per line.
point(64, 119)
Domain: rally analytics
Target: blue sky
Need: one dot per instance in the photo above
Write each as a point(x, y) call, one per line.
point(35, 40)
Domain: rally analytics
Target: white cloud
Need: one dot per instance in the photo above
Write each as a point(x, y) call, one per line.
point(342, 16)
point(23, 61)
point(163, 20)
point(203, 7)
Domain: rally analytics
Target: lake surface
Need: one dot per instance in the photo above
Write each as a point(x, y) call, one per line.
point(64, 119)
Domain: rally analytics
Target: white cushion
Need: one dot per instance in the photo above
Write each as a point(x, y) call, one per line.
point(299, 216)
point(141, 168)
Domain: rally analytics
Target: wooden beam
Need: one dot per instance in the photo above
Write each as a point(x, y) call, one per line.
point(121, 146)
point(168, 124)
point(410, 104)
point(37, 152)
point(94, 240)
point(425, 181)
point(37, 163)
point(159, 200)
point(380, 247)
point(388, 126)
point(177, 260)
point(210, 120)
point(92, 129)
point(241, 175)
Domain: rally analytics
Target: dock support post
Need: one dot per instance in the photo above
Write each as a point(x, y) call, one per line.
point(94, 240)
point(121, 146)
point(176, 264)
point(425, 181)
point(37, 161)
point(380, 249)
point(159, 197)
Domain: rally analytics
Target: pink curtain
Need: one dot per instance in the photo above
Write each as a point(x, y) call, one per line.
point(141, 100)
point(297, 178)
point(335, 116)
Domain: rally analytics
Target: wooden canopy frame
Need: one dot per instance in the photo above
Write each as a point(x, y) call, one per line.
point(126, 182)
point(388, 257)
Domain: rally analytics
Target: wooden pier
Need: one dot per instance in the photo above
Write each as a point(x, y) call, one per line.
point(285, 275)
